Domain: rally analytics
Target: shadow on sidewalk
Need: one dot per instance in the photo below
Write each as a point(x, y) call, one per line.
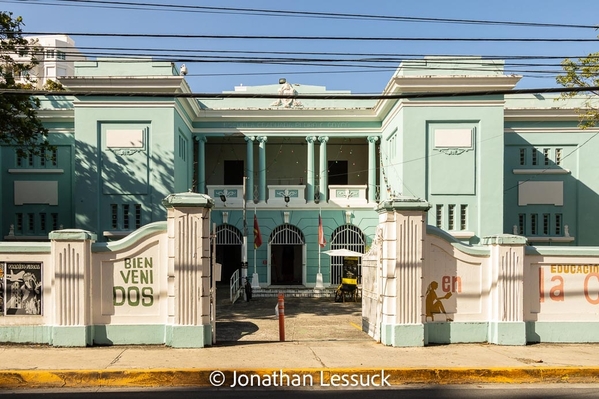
point(306, 319)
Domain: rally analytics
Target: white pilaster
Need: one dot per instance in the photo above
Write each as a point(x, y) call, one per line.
point(188, 216)
point(506, 324)
point(403, 226)
point(71, 251)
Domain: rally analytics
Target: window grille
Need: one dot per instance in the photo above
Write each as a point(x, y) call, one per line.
point(137, 216)
point(286, 234)
point(533, 224)
point(227, 234)
point(30, 222)
point(439, 214)
point(558, 224)
point(114, 209)
point(19, 223)
point(522, 224)
point(558, 156)
point(451, 217)
point(463, 214)
point(126, 216)
point(348, 237)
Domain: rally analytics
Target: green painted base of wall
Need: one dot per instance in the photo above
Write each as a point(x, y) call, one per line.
point(72, 336)
point(452, 333)
point(35, 334)
point(569, 332)
point(402, 334)
point(129, 335)
point(507, 333)
point(190, 336)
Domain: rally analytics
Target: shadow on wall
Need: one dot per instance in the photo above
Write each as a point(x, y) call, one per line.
point(120, 190)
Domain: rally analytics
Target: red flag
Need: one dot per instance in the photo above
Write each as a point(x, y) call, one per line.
point(321, 240)
point(257, 236)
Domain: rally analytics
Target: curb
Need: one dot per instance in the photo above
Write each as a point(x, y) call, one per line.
point(310, 377)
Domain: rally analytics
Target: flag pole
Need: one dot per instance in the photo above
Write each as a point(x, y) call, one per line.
point(255, 279)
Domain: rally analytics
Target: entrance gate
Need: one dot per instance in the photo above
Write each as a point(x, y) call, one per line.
point(348, 237)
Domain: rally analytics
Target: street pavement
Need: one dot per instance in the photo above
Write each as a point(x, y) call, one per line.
point(323, 339)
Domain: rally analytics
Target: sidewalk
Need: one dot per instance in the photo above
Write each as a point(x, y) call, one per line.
point(323, 339)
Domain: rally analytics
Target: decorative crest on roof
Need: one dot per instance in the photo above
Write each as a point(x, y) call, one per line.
point(287, 90)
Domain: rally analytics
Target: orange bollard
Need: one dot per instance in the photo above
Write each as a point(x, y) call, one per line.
point(281, 317)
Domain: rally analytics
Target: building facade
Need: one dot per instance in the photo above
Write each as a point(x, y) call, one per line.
point(487, 164)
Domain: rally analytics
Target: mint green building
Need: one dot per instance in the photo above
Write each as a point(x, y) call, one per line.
point(487, 164)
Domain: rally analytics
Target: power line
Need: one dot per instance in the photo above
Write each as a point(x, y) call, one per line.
point(304, 14)
point(332, 38)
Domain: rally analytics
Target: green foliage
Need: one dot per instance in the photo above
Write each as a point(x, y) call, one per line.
point(51, 85)
point(583, 73)
point(19, 123)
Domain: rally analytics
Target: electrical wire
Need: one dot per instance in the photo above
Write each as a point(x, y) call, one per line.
point(303, 14)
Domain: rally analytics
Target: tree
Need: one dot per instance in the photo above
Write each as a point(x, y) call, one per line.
point(19, 123)
point(580, 74)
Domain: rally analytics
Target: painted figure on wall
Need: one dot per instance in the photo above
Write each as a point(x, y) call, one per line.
point(434, 304)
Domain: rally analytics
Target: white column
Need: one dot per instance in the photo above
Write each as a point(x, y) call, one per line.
point(262, 168)
point(249, 167)
point(324, 166)
point(310, 170)
point(372, 168)
point(201, 164)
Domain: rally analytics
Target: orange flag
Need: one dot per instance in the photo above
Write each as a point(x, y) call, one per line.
point(321, 240)
point(257, 236)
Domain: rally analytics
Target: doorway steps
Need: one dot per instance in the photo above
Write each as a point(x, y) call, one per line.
point(294, 292)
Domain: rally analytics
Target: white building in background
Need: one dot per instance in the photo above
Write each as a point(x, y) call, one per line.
point(57, 59)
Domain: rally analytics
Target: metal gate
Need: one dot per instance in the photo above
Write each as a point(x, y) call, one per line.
point(348, 237)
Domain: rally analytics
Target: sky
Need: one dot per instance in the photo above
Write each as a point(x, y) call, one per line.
point(219, 64)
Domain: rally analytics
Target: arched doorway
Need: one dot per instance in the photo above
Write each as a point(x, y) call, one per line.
point(286, 247)
point(228, 250)
point(348, 237)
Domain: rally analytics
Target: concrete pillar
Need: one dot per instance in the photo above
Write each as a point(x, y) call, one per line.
point(506, 323)
point(201, 164)
point(249, 168)
point(403, 223)
point(189, 269)
point(262, 168)
point(71, 252)
point(324, 166)
point(372, 168)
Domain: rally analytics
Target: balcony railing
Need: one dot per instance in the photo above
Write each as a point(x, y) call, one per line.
point(291, 195)
point(286, 195)
point(348, 195)
point(232, 195)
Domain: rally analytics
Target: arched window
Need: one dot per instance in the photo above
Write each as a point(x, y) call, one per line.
point(348, 237)
point(227, 234)
point(286, 234)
